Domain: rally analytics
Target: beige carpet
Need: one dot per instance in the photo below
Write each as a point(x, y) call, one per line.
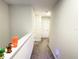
point(42, 51)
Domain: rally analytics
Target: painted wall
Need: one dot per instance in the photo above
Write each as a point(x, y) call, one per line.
point(4, 24)
point(63, 37)
point(21, 19)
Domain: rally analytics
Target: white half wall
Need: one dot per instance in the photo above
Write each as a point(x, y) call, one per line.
point(64, 30)
point(4, 24)
point(21, 19)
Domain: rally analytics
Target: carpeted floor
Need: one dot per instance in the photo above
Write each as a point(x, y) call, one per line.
point(41, 50)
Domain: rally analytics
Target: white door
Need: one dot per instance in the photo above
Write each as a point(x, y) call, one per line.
point(45, 24)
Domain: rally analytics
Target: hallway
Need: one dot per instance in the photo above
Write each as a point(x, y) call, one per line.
point(46, 29)
point(41, 50)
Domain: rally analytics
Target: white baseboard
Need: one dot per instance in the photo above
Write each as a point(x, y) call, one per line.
point(53, 52)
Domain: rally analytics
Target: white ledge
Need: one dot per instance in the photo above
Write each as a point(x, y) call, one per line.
point(20, 44)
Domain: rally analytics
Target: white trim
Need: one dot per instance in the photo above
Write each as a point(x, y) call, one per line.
point(53, 52)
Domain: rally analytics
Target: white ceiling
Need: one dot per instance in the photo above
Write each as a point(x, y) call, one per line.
point(34, 3)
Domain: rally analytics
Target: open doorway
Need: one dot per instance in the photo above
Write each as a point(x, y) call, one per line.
point(41, 24)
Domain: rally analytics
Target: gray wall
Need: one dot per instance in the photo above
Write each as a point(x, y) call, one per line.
point(21, 19)
point(4, 24)
point(64, 30)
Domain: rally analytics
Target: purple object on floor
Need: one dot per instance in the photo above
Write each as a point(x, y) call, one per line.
point(57, 53)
